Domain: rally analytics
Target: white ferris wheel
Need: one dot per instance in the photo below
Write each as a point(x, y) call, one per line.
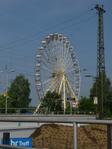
point(57, 69)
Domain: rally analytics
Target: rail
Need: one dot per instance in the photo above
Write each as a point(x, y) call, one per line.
point(15, 147)
point(74, 119)
point(53, 119)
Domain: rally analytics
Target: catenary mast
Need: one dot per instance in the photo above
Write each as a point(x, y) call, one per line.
point(100, 61)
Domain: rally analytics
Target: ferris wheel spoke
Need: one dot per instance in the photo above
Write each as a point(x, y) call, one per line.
point(72, 56)
point(60, 87)
point(64, 48)
point(70, 71)
point(60, 52)
point(67, 54)
point(71, 88)
point(46, 57)
point(48, 52)
point(52, 50)
point(68, 58)
point(56, 87)
point(53, 84)
point(46, 84)
point(71, 65)
point(45, 65)
point(46, 68)
point(46, 81)
point(58, 83)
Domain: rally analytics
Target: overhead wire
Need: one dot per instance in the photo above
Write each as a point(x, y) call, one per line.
point(65, 21)
point(34, 36)
point(80, 21)
point(74, 24)
point(89, 18)
point(77, 23)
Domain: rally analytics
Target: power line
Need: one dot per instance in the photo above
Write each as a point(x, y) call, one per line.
point(12, 43)
point(36, 36)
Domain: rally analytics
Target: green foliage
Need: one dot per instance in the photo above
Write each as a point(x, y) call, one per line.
point(2, 103)
point(108, 98)
point(86, 105)
point(69, 108)
point(19, 93)
point(107, 90)
point(51, 103)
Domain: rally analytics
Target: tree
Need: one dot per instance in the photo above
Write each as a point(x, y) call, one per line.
point(107, 102)
point(86, 105)
point(68, 108)
point(51, 103)
point(19, 92)
point(2, 104)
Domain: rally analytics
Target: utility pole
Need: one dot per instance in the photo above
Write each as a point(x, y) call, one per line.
point(6, 87)
point(100, 61)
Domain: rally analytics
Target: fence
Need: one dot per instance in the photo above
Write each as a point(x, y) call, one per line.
point(75, 120)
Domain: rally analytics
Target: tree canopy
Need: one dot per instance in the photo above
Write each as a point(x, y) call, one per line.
point(2, 103)
point(86, 105)
point(51, 102)
point(19, 92)
point(107, 89)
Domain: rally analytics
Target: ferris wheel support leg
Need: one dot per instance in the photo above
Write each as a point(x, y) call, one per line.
point(73, 94)
point(37, 108)
point(64, 95)
point(60, 86)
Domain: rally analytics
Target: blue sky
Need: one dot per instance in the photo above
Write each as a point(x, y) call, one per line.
point(25, 23)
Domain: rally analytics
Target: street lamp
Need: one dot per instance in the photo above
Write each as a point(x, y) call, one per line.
point(7, 72)
point(7, 80)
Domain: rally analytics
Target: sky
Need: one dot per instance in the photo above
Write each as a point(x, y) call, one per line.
point(25, 23)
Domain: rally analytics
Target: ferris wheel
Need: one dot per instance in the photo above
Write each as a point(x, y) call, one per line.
point(57, 69)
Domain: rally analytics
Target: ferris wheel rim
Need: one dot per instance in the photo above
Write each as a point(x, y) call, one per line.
point(60, 39)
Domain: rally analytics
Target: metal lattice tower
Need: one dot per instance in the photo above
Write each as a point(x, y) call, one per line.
point(100, 60)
